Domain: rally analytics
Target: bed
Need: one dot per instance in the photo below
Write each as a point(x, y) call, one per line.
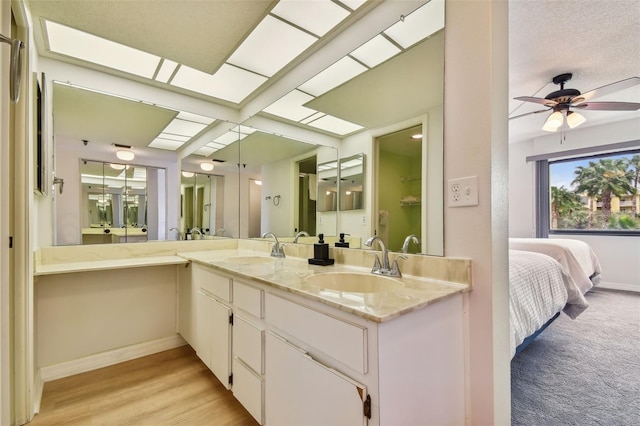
point(577, 257)
point(540, 288)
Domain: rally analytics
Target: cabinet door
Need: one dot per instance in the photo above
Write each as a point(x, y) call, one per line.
point(214, 337)
point(300, 390)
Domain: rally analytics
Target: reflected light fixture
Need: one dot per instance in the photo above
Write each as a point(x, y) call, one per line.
point(554, 121)
point(207, 167)
point(187, 174)
point(117, 166)
point(258, 182)
point(416, 136)
point(574, 119)
point(124, 154)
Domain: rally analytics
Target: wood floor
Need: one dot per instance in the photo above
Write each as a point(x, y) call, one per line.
point(169, 388)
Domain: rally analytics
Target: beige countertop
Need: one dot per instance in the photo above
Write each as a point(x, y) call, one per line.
point(99, 265)
point(290, 274)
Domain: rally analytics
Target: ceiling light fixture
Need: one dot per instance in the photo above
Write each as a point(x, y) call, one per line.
point(554, 121)
point(574, 119)
point(188, 174)
point(125, 155)
point(207, 167)
point(417, 136)
point(117, 166)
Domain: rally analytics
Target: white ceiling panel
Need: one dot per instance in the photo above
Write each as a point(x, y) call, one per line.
point(315, 16)
point(375, 51)
point(290, 106)
point(343, 70)
point(420, 24)
point(335, 125)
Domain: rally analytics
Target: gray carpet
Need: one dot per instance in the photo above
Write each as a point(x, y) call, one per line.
point(584, 371)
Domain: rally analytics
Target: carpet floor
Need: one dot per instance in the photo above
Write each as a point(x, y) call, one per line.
point(584, 371)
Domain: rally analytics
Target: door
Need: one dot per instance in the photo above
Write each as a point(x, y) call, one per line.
point(214, 336)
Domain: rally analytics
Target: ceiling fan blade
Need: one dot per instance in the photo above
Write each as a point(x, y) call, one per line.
point(608, 89)
point(529, 113)
point(609, 106)
point(542, 101)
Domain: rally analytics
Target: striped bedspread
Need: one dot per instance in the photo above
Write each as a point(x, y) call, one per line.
point(539, 288)
point(577, 257)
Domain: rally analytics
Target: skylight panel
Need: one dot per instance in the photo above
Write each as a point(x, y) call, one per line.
point(419, 25)
point(228, 138)
point(270, 46)
point(166, 70)
point(197, 118)
point(229, 83)
point(163, 143)
point(205, 151)
point(316, 16)
point(184, 127)
point(353, 4)
point(178, 138)
point(335, 125)
point(375, 51)
point(78, 44)
point(343, 70)
point(312, 117)
point(290, 106)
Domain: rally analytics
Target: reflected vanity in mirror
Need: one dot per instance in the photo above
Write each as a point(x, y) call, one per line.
point(120, 202)
point(352, 182)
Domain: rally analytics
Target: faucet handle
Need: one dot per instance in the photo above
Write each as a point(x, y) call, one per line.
point(395, 269)
point(377, 266)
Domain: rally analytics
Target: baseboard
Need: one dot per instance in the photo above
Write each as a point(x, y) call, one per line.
point(619, 286)
point(105, 359)
point(39, 388)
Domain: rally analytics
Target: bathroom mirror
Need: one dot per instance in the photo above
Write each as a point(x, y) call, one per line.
point(119, 203)
point(201, 205)
point(327, 186)
point(352, 182)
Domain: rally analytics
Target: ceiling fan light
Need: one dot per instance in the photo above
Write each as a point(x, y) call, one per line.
point(575, 119)
point(207, 167)
point(125, 155)
point(554, 121)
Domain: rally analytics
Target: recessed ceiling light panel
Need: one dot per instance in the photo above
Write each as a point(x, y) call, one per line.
point(353, 4)
point(87, 47)
point(195, 117)
point(229, 83)
point(167, 144)
point(335, 125)
point(184, 127)
point(375, 51)
point(271, 46)
point(317, 16)
point(173, 137)
point(290, 106)
point(166, 70)
point(419, 25)
point(342, 71)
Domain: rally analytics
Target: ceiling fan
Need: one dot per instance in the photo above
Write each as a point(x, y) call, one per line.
point(563, 102)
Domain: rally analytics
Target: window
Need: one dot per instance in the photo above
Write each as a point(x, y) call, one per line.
point(595, 194)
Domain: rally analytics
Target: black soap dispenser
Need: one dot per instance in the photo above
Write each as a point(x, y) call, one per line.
point(342, 243)
point(321, 253)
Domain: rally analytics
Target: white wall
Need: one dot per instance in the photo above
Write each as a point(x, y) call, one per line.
point(619, 256)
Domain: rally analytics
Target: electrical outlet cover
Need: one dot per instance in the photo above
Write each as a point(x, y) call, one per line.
point(462, 192)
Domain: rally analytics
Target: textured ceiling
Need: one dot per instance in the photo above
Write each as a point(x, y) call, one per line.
point(596, 40)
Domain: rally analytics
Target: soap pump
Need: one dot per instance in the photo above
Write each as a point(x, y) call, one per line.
point(321, 253)
point(342, 243)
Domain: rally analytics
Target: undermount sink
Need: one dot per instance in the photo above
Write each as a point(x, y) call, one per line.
point(249, 260)
point(354, 282)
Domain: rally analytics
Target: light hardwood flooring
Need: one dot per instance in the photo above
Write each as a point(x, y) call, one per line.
point(168, 388)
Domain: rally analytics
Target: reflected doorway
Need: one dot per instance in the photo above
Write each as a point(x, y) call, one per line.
point(307, 195)
point(255, 212)
point(399, 187)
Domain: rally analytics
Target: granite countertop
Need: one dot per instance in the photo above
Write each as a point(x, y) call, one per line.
point(290, 274)
point(102, 264)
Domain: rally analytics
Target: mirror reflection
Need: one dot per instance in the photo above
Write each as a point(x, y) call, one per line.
point(201, 206)
point(120, 202)
point(327, 187)
point(352, 182)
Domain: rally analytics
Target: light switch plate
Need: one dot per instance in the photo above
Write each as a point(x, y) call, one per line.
point(462, 192)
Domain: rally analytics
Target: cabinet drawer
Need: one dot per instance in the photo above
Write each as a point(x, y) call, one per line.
point(248, 343)
point(344, 341)
point(216, 284)
point(248, 298)
point(248, 389)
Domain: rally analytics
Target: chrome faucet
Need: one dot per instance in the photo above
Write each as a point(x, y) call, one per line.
point(382, 267)
point(193, 233)
point(407, 241)
point(220, 232)
point(300, 234)
point(178, 233)
point(278, 249)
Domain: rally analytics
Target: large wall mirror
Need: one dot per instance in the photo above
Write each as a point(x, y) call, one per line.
point(201, 206)
point(352, 182)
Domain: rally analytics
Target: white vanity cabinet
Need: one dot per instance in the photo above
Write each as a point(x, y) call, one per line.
point(248, 348)
point(213, 321)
